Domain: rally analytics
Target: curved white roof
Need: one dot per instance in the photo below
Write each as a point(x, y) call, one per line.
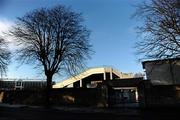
point(87, 73)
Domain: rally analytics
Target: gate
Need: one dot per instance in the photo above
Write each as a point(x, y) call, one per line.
point(122, 97)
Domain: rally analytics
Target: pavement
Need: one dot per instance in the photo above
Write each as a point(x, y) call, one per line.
point(117, 111)
point(26, 112)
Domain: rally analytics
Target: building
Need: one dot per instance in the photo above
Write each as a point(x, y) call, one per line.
point(19, 84)
point(116, 88)
point(123, 91)
point(163, 72)
point(162, 87)
point(91, 77)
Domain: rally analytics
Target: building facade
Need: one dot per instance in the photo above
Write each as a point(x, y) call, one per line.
point(123, 91)
point(19, 84)
point(162, 87)
point(163, 72)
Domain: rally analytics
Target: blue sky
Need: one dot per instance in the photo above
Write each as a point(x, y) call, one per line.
point(113, 32)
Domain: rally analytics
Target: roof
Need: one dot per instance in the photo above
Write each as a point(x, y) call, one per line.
point(130, 82)
point(85, 74)
point(159, 60)
point(21, 79)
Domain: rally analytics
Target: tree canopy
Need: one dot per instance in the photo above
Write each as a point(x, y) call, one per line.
point(160, 29)
point(53, 38)
point(4, 56)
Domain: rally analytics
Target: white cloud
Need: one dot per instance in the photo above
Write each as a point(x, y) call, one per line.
point(5, 26)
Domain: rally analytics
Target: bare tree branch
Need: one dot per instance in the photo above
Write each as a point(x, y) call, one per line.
point(161, 29)
point(4, 56)
point(53, 38)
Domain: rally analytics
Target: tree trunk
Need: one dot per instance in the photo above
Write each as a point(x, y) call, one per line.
point(48, 91)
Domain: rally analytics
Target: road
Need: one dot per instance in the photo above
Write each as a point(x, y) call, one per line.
point(7, 113)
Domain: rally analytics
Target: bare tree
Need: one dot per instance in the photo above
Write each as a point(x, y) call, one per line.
point(4, 57)
point(54, 39)
point(161, 29)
